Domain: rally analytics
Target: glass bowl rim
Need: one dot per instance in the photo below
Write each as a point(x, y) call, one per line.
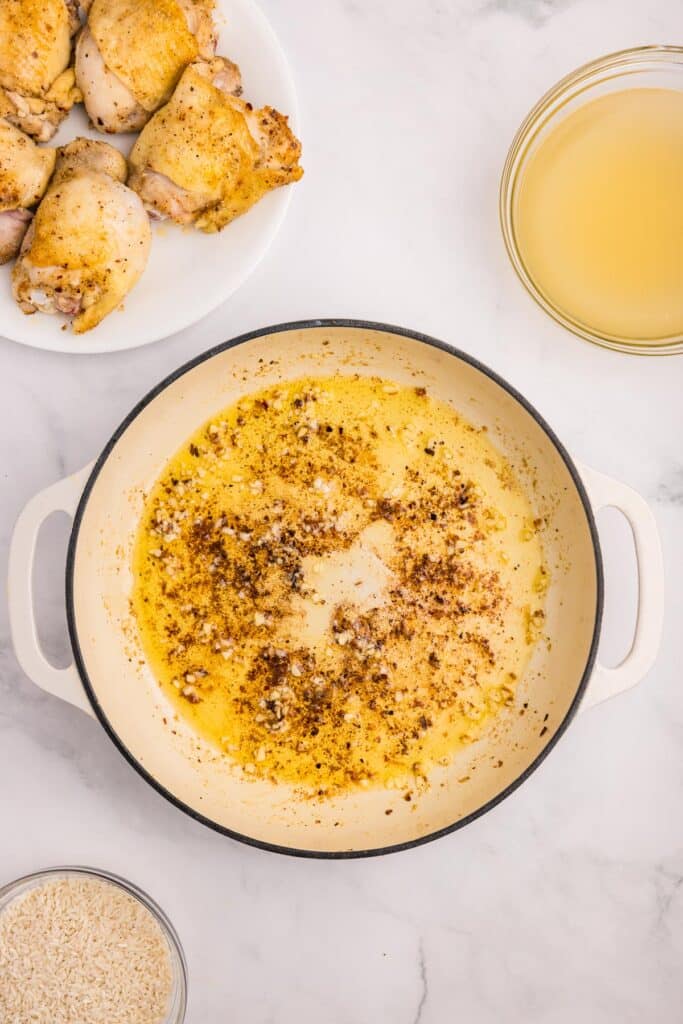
point(620, 62)
point(12, 890)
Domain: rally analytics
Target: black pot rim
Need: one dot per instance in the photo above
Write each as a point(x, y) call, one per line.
point(73, 543)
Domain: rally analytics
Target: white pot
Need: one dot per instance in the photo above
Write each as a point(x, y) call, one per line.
point(110, 677)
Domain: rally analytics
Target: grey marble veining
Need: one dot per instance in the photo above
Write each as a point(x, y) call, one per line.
point(670, 490)
point(563, 904)
point(535, 11)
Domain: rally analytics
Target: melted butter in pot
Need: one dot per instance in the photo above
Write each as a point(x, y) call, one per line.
point(338, 582)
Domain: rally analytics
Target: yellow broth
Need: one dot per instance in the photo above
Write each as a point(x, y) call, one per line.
point(599, 215)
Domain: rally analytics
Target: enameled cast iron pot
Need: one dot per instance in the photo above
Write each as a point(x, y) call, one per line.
point(110, 680)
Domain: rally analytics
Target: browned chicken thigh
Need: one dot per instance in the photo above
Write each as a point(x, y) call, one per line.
point(89, 240)
point(131, 54)
point(37, 84)
point(207, 156)
point(25, 171)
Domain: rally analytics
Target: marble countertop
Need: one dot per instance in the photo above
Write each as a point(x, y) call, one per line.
point(564, 903)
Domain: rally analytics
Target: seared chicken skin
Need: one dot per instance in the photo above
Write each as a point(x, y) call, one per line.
point(207, 156)
point(131, 54)
point(37, 85)
point(25, 171)
point(89, 240)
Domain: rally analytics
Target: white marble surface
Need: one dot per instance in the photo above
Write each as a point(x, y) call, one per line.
point(565, 903)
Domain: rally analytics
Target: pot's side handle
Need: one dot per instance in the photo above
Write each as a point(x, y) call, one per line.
point(61, 682)
point(607, 682)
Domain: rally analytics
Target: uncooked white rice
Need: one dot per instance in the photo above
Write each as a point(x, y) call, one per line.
point(79, 950)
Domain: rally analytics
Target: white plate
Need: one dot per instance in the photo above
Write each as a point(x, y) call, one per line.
point(189, 273)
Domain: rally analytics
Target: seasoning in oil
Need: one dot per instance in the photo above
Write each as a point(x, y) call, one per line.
point(336, 583)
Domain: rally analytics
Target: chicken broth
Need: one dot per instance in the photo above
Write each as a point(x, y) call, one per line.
point(338, 582)
point(599, 215)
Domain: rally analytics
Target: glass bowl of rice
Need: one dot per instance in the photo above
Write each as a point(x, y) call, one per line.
point(82, 944)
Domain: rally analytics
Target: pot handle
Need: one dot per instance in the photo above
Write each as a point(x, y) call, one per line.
point(608, 682)
point(61, 682)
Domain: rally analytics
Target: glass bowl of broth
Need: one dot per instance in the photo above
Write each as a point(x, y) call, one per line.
point(591, 201)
